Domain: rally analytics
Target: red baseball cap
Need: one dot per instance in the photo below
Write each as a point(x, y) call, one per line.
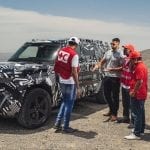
point(135, 54)
point(129, 47)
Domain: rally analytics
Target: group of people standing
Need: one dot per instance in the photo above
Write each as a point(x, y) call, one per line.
point(123, 69)
point(128, 71)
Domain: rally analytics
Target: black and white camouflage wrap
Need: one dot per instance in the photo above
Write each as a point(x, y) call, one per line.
point(17, 77)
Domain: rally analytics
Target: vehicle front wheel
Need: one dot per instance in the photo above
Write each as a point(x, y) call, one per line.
point(35, 109)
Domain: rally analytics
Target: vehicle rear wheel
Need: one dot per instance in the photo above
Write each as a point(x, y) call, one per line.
point(36, 108)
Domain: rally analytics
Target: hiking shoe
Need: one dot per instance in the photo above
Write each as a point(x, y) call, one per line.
point(113, 118)
point(130, 126)
point(142, 133)
point(69, 130)
point(107, 114)
point(123, 120)
point(57, 126)
point(132, 137)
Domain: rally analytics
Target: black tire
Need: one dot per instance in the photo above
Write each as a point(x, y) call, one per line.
point(36, 109)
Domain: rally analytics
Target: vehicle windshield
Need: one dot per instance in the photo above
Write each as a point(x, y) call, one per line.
point(36, 52)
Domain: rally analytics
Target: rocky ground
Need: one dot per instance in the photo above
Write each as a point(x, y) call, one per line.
point(92, 134)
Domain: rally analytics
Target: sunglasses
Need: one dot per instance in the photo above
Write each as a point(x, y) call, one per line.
point(125, 49)
point(112, 44)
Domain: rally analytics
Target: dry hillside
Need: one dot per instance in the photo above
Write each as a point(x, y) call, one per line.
point(146, 57)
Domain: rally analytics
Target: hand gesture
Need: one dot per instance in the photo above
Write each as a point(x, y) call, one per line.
point(94, 68)
point(78, 92)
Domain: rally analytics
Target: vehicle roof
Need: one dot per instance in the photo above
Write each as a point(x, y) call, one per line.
point(62, 41)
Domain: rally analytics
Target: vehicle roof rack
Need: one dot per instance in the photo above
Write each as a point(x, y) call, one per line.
point(43, 40)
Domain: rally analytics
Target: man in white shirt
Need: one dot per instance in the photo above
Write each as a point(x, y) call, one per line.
point(67, 68)
point(113, 65)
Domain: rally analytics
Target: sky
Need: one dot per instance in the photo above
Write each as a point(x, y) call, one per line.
point(24, 20)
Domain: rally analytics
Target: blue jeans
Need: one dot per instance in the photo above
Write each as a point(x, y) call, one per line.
point(68, 98)
point(138, 113)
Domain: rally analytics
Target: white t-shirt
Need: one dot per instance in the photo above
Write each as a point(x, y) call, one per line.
point(74, 63)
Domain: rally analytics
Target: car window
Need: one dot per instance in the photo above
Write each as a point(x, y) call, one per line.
point(36, 52)
point(47, 52)
point(30, 51)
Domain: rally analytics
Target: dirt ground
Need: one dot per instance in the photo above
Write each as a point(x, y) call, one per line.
point(92, 134)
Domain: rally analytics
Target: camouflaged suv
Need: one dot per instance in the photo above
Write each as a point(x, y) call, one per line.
point(28, 86)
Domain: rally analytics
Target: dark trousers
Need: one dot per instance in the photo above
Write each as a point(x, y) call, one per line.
point(138, 113)
point(126, 102)
point(111, 91)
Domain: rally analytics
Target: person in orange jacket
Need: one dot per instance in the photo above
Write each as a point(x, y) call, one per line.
point(138, 93)
point(126, 75)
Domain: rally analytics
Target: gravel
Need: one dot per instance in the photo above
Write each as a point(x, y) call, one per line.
point(92, 134)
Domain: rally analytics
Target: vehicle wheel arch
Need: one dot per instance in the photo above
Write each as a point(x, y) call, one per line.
point(42, 86)
point(22, 114)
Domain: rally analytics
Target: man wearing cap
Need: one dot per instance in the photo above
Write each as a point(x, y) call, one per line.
point(67, 68)
point(112, 62)
point(126, 75)
point(138, 93)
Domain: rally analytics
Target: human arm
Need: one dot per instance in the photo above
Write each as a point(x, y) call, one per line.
point(114, 69)
point(138, 74)
point(75, 75)
point(136, 87)
point(99, 64)
point(119, 67)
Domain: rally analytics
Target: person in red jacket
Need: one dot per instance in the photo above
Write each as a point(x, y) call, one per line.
point(138, 93)
point(126, 75)
point(67, 68)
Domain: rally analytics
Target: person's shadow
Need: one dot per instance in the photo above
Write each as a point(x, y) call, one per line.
point(146, 137)
point(81, 110)
point(82, 134)
point(147, 127)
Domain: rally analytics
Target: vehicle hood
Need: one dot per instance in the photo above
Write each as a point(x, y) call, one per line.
point(20, 66)
point(12, 70)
